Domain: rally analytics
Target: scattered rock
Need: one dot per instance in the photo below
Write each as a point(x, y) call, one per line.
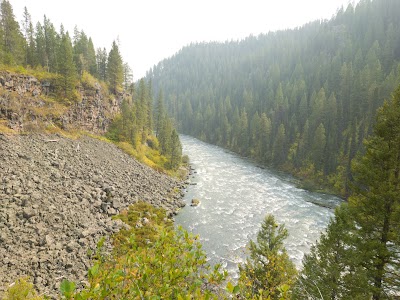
point(195, 202)
point(56, 204)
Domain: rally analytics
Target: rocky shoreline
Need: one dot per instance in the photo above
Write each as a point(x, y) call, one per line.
point(57, 197)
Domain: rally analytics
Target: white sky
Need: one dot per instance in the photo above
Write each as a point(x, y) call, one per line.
point(151, 30)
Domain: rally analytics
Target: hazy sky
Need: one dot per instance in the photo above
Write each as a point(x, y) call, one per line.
point(151, 30)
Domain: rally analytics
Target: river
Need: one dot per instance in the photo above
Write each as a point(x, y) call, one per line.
point(235, 195)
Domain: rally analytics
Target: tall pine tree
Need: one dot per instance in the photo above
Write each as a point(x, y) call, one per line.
point(358, 257)
point(66, 67)
point(115, 70)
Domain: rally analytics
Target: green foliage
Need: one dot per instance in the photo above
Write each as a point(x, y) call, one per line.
point(22, 289)
point(12, 40)
point(268, 273)
point(375, 201)
point(330, 269)
point(134, 126)
point(88, 81)
point(67, 289)
point(45, 50)
point(290, 98)
point(66, 67)
point(134, 217)
point(152, 261)
point(357, 257)
point(115, 75)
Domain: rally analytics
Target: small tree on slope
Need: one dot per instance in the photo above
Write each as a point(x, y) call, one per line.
point(268, 272)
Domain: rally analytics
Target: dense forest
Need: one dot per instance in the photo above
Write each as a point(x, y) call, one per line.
point(302, 100)
point(66, 64)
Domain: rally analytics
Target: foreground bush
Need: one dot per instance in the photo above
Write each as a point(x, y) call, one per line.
point(152, 260)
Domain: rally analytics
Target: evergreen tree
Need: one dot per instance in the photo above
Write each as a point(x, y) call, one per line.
point(279, 147)
point(319, 146)
point(159, 113)
point(331, 269)
point(40, 42)
point(358, 257)
point(27, 30)
point(52, 42)
point(164, 137)
point(101, 59)
point(349, 65)
point(91, 59)
point(66, 67)
point(176, 150)
point(376, 202)
point(13, 43)
point(115, 71)
point(268, 271)
point(81, 51)
point(128, 76)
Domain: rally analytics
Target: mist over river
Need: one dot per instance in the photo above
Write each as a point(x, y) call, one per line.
point(235, 195)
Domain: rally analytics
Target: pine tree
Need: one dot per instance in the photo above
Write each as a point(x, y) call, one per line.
point(26, 26)
point(176, 150)
point(52, 41)
point(331, 269)
point(279, 147)
point(268, 270)
point(91, 59)
point(159, 113)
point(319, 146)
point(376, 201)
point(358, 256)
point(101, 59)
point(128, 76)
point(66, 67)
point(115, 71)
point(164, 136)
point(81, 48)
point(40, 42)
point(13, 43)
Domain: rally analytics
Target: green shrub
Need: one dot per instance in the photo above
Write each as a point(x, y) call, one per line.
point(22, 289)
point(152, 261)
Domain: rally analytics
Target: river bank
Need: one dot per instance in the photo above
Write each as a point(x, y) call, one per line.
point(57, 199)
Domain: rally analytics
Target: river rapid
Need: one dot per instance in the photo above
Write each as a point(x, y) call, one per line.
point(235, 195)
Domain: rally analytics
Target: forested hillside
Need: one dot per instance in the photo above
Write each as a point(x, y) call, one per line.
point(69, 71)
point(302, 100)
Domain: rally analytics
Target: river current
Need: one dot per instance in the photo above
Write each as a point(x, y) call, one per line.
point(235, 195)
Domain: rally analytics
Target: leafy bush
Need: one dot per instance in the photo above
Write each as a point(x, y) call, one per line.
point(22, 289)
point(88, 81)
point(152, 142)
point(152, 261)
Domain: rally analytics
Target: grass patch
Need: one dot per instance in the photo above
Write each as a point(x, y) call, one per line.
point(5, 129)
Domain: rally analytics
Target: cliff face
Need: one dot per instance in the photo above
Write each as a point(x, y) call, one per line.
point(25, 106)
point(95, 110)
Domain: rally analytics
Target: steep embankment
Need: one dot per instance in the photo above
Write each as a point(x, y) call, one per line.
point(57, 197)
point(28, 104)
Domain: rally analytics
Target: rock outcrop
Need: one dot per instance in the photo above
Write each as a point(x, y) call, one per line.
point(23, 103)
point(57, 197)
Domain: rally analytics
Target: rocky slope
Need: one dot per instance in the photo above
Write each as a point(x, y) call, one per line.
point(27, 107)
point(57, 197)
